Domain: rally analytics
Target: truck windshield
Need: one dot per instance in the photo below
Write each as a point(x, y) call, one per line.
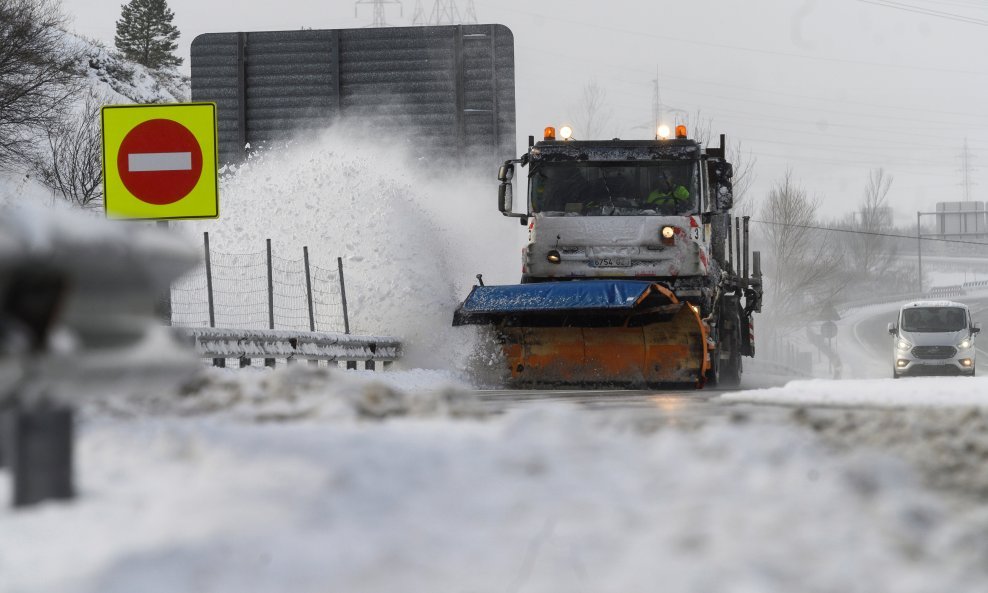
point(934, 319)
point(648, 188)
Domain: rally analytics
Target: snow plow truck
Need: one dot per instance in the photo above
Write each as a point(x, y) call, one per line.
point(635, 272)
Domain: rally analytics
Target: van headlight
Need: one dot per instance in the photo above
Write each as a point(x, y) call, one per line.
point(965, 344)
point(903, 345)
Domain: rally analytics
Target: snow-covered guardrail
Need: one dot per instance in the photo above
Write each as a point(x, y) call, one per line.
point(934, 292)
point(220, 344)
point(946, 291)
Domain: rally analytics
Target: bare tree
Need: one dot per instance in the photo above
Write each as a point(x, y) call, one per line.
point(744, 175)
point(743, 161)
point(873, 252)
point(592, 116)
point(806, 264)
point(37, 74)
point(72, 164)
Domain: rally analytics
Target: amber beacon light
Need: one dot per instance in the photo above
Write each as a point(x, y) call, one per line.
point(550, 133)
point(680, 131)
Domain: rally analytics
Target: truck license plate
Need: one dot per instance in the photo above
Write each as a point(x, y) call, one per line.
point(611, 262)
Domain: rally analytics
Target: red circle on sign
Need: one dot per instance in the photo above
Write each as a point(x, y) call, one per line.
point(160, 161)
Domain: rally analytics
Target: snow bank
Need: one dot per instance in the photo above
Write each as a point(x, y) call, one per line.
point(299, 392)
point(413, 234)
point(877, 393)
point(544, 498)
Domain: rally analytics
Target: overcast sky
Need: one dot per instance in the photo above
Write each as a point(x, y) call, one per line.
point(829, 88)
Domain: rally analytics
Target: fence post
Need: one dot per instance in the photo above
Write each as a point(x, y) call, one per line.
point(346, 315)
point(164, 305)
point(209, 280)
point(308, 288)
point(217, 362)
point(270, 361)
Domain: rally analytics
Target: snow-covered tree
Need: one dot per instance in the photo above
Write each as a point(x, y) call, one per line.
point(146, 35)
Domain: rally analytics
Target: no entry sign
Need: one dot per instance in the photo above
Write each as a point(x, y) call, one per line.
point(159, 161)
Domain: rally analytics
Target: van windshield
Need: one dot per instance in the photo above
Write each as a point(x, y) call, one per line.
point(934, 319)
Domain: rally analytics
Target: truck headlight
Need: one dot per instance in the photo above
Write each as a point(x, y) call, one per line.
point(903, 345)
point(965, 344)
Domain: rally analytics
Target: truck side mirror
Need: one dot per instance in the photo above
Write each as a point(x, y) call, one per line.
point(721, 173)
point(893, 329)
point(506, 173)
point(504, 197)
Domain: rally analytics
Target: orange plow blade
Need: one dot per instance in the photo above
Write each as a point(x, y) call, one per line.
point(652, 340)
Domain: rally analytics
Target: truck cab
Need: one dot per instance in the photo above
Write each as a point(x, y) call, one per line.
point(641, 209)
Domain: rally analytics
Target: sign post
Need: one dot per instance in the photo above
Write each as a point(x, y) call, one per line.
point(160, 161)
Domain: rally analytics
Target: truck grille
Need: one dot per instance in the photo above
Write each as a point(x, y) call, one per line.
point(934, 351)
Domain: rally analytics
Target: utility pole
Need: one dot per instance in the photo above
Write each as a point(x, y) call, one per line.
point(445, 12)
point(966, 171)
point(379, 10)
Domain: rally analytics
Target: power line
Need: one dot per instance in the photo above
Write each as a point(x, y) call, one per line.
point(927, 11)
point(870, 233)
point(581, 60)
point(557, 18)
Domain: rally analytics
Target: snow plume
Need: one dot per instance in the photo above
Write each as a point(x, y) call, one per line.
point(413, 233)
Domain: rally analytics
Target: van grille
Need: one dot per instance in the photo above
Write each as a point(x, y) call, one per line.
point(934, 351)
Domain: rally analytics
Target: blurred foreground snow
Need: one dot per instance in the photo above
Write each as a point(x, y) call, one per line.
point(291, 481)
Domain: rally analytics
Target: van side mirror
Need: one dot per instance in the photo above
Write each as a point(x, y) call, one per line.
point(893, 329)
point(977, 328)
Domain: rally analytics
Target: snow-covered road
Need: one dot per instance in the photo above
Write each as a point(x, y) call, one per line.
point(308, 480)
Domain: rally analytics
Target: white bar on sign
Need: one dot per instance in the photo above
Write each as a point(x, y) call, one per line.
point(159, 161)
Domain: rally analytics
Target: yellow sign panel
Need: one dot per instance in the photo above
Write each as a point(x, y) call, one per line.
point(160, 161)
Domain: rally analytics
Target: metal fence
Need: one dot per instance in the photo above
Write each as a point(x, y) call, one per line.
point(261, 290)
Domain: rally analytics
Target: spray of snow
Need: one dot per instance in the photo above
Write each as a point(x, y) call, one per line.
point(413, 233)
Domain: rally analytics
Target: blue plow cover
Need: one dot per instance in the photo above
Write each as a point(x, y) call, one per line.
point(556, 296)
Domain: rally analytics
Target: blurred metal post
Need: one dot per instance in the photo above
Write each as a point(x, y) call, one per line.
point(39, 450)
point(308, 288)
point(270, 361)
point(164, 308)
point(346, 315)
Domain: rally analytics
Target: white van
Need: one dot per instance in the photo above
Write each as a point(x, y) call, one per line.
point(933, 338)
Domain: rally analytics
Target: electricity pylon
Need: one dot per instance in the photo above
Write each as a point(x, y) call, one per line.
point(445, 12)
point(379, 10)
